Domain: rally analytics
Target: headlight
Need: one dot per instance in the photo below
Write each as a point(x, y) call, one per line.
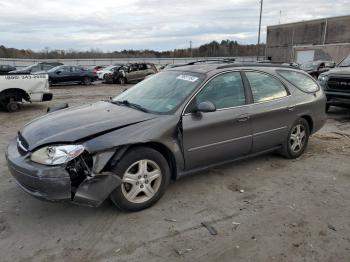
point(56, 155)
point(323, 78)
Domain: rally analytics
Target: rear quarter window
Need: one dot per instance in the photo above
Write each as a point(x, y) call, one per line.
point(301, 81)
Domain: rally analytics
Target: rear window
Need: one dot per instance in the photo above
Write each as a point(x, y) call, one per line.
point(300, 80)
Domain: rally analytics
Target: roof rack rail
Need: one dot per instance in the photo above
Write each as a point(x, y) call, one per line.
point(224, 60)
point(255, 65)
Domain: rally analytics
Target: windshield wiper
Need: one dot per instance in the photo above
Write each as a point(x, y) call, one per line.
point(129, 104)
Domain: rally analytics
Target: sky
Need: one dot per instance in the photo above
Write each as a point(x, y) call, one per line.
point(110, 25)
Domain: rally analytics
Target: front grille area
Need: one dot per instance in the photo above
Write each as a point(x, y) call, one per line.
point(22, 145)
point(339, 84)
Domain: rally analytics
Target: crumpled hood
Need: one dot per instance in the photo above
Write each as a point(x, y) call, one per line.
point(79, 123)
point(338, 71)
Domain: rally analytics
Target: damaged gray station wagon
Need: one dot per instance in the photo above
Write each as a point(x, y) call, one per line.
point(177, 122)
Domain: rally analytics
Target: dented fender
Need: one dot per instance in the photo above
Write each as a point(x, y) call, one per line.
point(151, 131)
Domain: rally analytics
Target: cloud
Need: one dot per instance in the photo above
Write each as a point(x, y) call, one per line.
point(147, 24)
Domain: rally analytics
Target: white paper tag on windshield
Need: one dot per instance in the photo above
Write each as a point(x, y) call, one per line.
point(187, 78)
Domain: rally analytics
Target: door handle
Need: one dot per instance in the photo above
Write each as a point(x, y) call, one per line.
point(243, 118)
point(290, 108)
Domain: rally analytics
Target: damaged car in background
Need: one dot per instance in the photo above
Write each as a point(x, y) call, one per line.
point(172, 124)
point(130, 73)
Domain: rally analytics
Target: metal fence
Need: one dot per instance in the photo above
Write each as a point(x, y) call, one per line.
point(20, 63)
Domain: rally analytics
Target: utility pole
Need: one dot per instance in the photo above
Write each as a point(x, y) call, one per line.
point(190, 48)
point(258, 51)
point(279, 21)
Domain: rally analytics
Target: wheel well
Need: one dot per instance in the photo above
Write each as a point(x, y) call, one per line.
point(16, 93)
point(309, 121)
point(165, 152)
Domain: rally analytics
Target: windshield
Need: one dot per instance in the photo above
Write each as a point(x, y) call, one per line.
point(29, 67)
point(110, 67)
point(54, 69)
point(345, 62)
point(310, 64)
point(163, 92)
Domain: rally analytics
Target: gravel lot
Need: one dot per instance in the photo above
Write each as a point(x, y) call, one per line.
point(290, 210)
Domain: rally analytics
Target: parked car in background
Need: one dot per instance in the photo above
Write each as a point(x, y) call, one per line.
point(293, 64)
point(70, 74)
point(15, 89)
point(336, 84)
point(106, 70)
point(98, 68)
point(5, 69)
point(173, 124)
point(38, 67)
point(131, 73)
point(315, 68)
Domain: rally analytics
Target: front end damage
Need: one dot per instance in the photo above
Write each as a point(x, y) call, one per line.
point(89, 185)
point(82, 180)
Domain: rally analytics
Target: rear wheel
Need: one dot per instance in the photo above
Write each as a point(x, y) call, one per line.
point(145, 174)
point(297, 140)
point(12, 106)
point(86, 80)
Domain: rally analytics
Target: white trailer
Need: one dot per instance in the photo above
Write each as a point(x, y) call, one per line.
point(15, 89)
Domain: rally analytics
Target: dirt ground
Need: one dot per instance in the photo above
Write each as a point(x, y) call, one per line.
point(290, 210)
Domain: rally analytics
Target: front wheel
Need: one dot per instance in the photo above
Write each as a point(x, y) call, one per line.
point(297, 140)
point(122, 80)
point(145, 176)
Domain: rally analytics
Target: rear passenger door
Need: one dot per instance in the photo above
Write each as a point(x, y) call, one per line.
point(271, 111)
point(225, 134)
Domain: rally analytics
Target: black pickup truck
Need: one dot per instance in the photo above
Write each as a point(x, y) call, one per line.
point(336, 84)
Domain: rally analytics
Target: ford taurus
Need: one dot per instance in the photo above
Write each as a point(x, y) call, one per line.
point(177, 122)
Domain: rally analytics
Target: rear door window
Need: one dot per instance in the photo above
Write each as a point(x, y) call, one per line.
point(300, 80)
point(265, 87)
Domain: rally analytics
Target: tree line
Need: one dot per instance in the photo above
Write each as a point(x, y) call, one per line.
point(212, 49)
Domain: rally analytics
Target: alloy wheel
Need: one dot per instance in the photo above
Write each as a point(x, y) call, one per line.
point(297, 138)
point(141, 181)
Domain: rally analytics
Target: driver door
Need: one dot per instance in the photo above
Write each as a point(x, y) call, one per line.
point(222, 135)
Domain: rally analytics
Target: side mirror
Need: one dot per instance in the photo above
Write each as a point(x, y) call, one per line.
point(58, 72)
point(205, 106)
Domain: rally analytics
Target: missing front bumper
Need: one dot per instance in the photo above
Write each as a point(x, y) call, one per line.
point(53, 183)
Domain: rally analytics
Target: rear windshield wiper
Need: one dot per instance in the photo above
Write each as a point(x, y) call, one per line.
point(129, 104)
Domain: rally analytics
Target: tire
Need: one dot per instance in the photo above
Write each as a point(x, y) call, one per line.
point(12, 106)
point(138, 191)
point(86, 80)
point(122, 80)
point(296, 143)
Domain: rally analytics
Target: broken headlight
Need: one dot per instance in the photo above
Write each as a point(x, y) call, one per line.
point(56, 155)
